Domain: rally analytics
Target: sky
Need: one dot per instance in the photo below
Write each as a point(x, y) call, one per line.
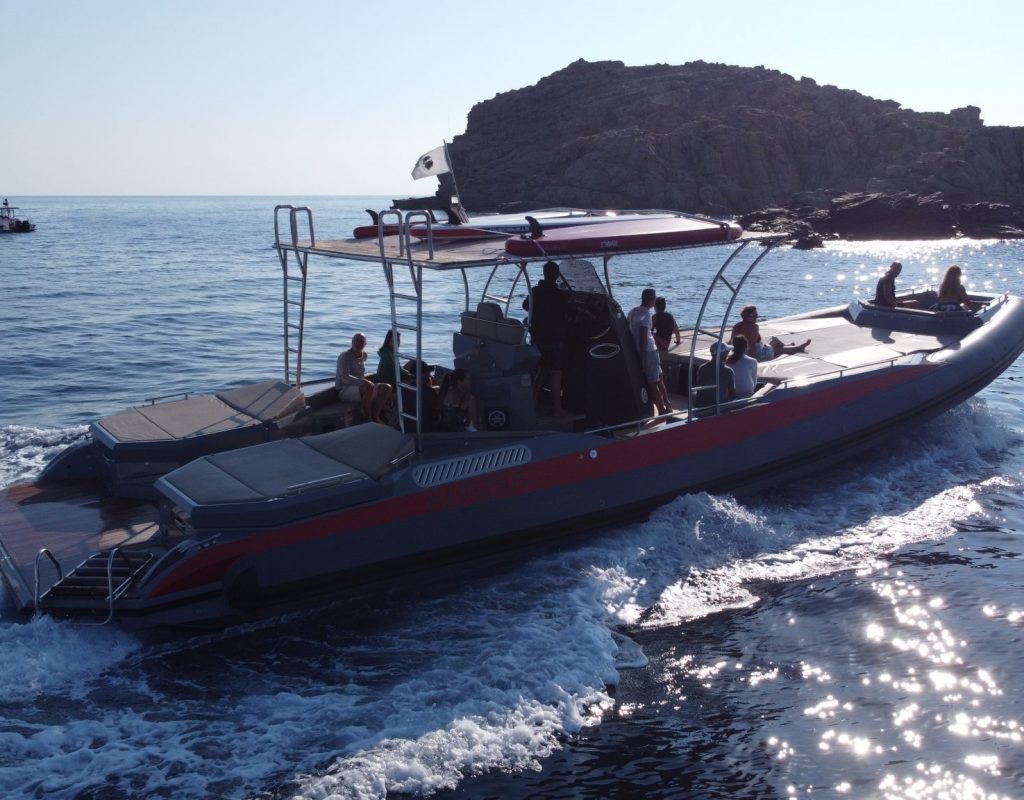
point(329, 97)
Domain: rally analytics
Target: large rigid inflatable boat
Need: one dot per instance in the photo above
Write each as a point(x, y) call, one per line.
point(231, 507)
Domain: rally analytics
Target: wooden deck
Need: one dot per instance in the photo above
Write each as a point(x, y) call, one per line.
point(72, 521)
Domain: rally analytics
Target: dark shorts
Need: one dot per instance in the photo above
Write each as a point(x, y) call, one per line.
point(553, 356)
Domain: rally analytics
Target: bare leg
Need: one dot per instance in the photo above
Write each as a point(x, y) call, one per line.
point(665, 407)
point(381, 395)
point(653, 397)
point(366, 400)
point(787, 349)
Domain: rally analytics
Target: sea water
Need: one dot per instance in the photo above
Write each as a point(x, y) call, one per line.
point(856, 634)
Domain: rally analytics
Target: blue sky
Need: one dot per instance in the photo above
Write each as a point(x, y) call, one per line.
point(327, 97)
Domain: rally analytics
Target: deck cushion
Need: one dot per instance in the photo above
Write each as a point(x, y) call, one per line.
point(370, 448)
point(178, 419)
point(266, 401)
point(200, 415)
point(273, 468)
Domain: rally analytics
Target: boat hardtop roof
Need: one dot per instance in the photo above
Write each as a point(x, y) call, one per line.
point(451, 254)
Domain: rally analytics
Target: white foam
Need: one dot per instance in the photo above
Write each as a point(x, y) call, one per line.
point(491, 676)
point(25, 450)
point(45, 655)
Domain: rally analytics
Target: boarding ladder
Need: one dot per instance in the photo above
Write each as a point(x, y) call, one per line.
point(405, 295)
point(101, 577)
point(294, 292)
point(727, 282)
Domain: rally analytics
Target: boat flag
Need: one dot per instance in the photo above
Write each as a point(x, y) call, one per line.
point(433, 163)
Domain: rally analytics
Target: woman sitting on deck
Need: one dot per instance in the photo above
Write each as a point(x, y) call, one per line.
point(952, 294)
point(386, 365)
point(458, 404)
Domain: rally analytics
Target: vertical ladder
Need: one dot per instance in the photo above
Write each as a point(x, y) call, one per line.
point(294, 284)
point(405, 293)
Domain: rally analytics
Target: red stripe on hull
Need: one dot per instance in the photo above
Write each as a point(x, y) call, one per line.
point(573, 468)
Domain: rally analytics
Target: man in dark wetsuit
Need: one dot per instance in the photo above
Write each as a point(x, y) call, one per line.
point(548, 306)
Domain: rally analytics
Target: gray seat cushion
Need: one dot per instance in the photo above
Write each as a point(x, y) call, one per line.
point(266, 401)
point(370, 448)
point(190, 417)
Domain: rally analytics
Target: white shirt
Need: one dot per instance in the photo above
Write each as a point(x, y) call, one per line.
point(640, 321)
point(745, 370)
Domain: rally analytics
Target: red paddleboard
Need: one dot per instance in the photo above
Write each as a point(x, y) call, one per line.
point(370, 231)
point(612, 237)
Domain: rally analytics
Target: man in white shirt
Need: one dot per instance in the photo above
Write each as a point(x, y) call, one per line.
point(353, 386)
point(640, 326)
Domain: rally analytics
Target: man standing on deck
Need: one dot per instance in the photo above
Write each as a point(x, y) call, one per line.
point(640, 326)
point(548, 306)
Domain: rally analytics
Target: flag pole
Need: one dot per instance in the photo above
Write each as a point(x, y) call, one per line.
point(451, 169)
point(456, 208)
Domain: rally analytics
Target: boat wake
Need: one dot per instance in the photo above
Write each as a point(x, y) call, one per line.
point(494, 674)
point(25, 450)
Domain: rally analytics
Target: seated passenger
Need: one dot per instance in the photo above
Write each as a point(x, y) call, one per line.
point(386, 364)
point(743, 366)
point(885, 289)
point(757, 348)
point(353, 386)
point(953, 295)
point(716, 382)
point(458, 404)
point(664, 326)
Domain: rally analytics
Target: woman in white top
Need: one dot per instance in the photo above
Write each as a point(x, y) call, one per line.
point(744, 367)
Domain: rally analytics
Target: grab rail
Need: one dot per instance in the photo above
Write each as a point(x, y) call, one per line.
point(322, 483)
point(110, 585)
point(152, 400)
point(35, 572)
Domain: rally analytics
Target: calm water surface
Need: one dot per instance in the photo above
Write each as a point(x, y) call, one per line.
point(856, 635)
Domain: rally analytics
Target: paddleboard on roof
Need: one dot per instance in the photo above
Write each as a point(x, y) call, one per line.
point(649, 233)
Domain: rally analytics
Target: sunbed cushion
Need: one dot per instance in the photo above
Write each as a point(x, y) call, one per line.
point(370, 448)
point(266, 401)
point(246, 406)
point(179, 419)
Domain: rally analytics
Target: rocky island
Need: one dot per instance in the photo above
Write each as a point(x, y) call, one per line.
point(779, 152)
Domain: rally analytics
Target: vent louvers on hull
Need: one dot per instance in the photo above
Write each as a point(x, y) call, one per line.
point(453, 469)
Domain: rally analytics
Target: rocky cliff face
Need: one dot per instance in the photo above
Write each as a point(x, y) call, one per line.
point(719, 139)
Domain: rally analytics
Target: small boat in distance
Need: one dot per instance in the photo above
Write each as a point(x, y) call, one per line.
point(10, 223)
point(202, 512)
